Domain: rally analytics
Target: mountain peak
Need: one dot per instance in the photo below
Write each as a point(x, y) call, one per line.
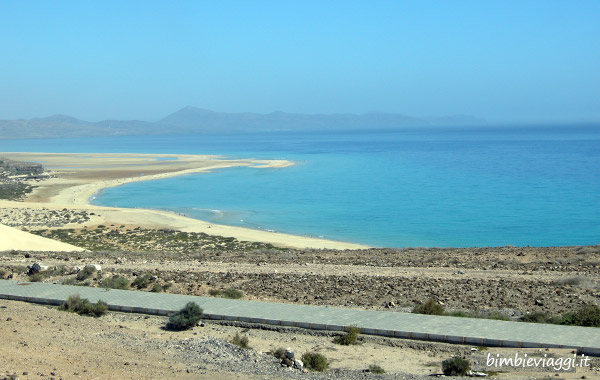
point(196, 110)
point(59, 118)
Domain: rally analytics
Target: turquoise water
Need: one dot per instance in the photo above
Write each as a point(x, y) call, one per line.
point(459, 187)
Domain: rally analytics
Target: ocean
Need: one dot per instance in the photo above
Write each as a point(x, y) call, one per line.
point(445, 187)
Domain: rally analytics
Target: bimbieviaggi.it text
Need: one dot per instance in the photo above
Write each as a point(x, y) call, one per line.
point(542, 362)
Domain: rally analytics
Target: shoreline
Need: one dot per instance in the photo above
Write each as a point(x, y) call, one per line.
point(79, 176)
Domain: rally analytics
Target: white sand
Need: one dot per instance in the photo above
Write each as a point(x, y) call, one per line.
point(12, 238)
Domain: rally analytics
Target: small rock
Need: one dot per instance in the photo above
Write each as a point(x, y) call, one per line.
point(37, 268)
point(289, 354)
point(299, 364)
point(538, 303)
point(96, 266)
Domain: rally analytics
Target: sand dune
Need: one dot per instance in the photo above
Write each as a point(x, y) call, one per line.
point(12, 238)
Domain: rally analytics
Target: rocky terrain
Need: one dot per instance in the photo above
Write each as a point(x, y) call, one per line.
point(508, 280)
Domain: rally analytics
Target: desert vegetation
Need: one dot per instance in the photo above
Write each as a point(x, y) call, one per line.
point(240, 341)
point(315, 361)
point(456, 366)
point(351, 337)
point(83, 306)
point(185, 318)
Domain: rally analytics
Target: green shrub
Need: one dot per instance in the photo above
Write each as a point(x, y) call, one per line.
point(141, 281)
point(156, 288)
point(98, 309)
point(587, 315)
point(185, 318)
point(227, 293)
point(279, 353)
point(232, 293)
point(82, 306)
point(456, 366)
point(20, 269)
point(115, 282)
point(72, 303)
point(56, 271)
point(241, 341)
point(460, 314)
point(376, 369)
point(349, 338)
point(36, 277)
point(86, 273)
point(430, 307)
point(315, 361)
point(70, 281)
point(538, 317)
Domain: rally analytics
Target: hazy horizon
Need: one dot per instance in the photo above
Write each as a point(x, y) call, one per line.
point(506, 62)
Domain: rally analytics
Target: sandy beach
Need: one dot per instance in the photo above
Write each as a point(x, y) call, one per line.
point(76, 177)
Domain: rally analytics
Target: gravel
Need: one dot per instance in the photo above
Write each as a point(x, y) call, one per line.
point(216, 354)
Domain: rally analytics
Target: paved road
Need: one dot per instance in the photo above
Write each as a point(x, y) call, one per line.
point(480, 332)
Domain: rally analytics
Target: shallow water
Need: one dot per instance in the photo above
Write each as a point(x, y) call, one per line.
point(458, 187)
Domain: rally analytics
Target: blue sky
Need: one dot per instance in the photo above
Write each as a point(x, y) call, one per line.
point(501, 60)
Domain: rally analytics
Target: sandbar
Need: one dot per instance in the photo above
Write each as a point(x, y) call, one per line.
point(76, 177)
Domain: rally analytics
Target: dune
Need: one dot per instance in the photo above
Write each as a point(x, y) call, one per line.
point(12, 238)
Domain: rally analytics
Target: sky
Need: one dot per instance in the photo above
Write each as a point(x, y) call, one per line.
point(526, 60)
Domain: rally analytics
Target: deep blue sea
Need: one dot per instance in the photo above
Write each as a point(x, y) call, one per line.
point(459, 187)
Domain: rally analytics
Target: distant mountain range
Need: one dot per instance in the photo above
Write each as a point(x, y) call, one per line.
point(196, 120)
